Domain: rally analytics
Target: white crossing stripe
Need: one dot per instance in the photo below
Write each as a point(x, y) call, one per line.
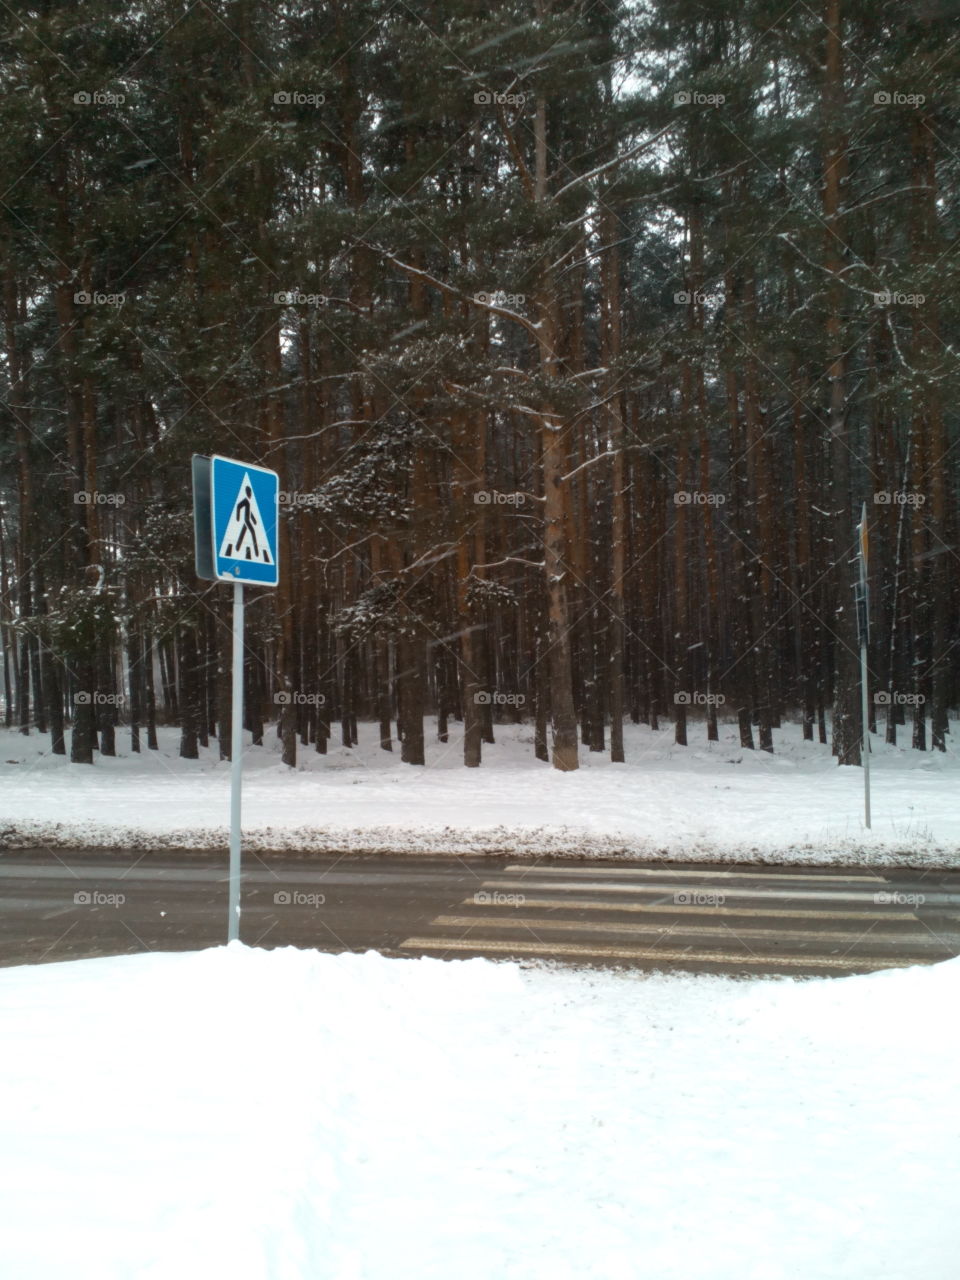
point(719, 931)
point(667, 870)
point(794, 913)
point(583, 950)
point(732, 891)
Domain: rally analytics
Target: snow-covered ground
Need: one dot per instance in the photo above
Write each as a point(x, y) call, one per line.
point(291, 1115)
point(705, 801)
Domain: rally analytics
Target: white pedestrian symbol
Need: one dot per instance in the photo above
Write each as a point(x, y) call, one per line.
point(244, 538)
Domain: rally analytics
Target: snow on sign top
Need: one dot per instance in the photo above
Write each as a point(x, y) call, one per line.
point(244, 507)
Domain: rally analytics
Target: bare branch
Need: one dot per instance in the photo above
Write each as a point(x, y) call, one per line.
point(611, 164)
point(504, 312)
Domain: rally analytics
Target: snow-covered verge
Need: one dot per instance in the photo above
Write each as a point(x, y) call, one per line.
point(291, 1115)
point(702, 802)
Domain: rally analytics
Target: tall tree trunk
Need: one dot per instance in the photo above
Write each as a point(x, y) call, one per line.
point(618, 525)
point(846, 736)
point(189, 693)
point(553, 457)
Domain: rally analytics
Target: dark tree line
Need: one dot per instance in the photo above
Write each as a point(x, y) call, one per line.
point(577, 333)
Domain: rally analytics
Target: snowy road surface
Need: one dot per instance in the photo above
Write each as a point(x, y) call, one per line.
point(290, 1115)
point(62, 904)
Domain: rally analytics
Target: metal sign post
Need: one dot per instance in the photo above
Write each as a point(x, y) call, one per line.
point(236, 765)
point(863, 626)
point(235, 511)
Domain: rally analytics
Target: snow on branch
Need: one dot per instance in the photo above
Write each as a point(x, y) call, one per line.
point(609, 453)
point(451, 292)
point(610, 164)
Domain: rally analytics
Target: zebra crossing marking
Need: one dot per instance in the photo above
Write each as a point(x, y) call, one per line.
point(582, 950)
point(706, 872)
point(627, 927)
point(793, 913)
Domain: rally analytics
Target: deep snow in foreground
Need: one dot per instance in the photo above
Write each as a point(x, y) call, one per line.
point(291, 1115)
point(705, 801)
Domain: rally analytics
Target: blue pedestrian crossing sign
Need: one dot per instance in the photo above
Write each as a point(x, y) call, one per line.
point(244, 505)
point(236, 511)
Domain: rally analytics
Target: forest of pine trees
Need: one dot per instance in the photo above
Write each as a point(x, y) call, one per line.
point(577, 332)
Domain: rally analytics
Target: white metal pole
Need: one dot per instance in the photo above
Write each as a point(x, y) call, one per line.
point(865, 749)
point(863, 620)
point(236, 766)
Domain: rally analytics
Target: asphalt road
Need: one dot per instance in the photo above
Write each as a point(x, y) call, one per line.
point(734, 919)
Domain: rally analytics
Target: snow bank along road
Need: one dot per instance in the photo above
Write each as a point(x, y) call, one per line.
point(732, 919)
point(710, 802)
